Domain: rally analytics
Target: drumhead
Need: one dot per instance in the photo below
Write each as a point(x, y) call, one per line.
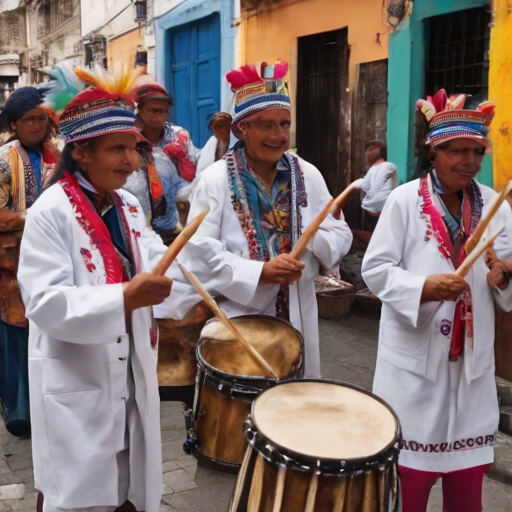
point(276, 340)
point(324, 420)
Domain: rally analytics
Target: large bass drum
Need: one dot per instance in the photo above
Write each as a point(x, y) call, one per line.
point(319, 446)
point(229, 380)
point(177, 366)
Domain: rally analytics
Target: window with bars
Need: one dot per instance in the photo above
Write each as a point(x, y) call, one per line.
point(53, 13)
point(458, 53)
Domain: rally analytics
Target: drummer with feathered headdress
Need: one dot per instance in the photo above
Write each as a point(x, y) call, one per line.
point(94, 391)
point(435, 364)
point(261, 198)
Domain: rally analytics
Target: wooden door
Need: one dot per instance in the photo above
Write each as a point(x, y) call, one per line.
point(322, 105)
point(369, 111)
point(195, 69)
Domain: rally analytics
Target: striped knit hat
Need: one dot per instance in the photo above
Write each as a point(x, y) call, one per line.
point(447, 120)
point(102, 110)
point(256, 91)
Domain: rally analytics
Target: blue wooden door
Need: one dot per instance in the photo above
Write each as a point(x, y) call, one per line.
point(195, 80)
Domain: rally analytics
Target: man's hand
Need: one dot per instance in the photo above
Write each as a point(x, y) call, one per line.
point(499, 275)
point(282, 269)
point(442, 287)
point(12, 221)
point(490, 257)
point(146, 290)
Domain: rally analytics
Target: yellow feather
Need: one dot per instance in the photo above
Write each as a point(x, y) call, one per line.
point(119, 81)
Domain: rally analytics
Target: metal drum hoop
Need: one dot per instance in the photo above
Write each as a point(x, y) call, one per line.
point(277, 454)
point(242, 387)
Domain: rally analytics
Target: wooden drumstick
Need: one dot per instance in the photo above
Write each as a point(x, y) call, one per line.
point(470, 260)
point(199, 288)
point(482, 225)
point(311, 230)
point(178, 244)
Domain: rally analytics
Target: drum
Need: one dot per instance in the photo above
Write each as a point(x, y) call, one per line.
point(319, 446)
point(12, 310)
point(177, 366)
point(229, 379)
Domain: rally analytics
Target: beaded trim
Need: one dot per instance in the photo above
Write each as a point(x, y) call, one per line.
point(95, 119)
point(441, 135)
point(235, 161)
point(260, 103)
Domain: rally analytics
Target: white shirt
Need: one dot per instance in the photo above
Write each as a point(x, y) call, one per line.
point(379, 182)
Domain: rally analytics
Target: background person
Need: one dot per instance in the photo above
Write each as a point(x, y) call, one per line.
point(26, 165)
point(380, 180)
point(159, 179)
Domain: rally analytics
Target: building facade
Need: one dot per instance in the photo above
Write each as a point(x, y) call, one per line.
point(337, 51)
point(194, 48)
point(462, 46)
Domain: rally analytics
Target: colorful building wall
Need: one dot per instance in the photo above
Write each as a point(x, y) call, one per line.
point(273, 32)
point(406, 81)
point(500, 91)
point(123, 48)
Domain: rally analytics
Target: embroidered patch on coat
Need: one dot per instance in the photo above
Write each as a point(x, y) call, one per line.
point(87, 257)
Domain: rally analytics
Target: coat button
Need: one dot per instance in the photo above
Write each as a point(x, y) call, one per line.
point(122, 359)
point(118, 340)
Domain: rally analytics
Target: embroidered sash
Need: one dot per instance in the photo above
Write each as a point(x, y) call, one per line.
point(91, 223)
point(237, 165)
point(471, 215)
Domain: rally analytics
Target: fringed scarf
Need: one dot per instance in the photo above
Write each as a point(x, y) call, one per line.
point(270, 227)
point(471, 215)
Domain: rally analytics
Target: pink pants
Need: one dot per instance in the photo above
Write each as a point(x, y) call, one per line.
point(462, 490)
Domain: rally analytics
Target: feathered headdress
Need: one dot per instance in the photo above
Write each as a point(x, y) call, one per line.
point(257, 88)
point(446, 119)
point(105, 108)
point(61, 90)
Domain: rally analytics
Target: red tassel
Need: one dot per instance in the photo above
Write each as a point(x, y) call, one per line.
point(458, 334)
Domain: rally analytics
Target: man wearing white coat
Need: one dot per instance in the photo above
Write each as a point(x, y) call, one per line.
point(259, 199)
point(435, 363)
point(94, 391)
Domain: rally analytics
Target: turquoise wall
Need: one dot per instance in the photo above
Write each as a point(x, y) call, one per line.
point(406, 83)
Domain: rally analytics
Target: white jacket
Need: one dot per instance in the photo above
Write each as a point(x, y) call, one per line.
point(78, 350)
point(219, 256)
point(441, 404)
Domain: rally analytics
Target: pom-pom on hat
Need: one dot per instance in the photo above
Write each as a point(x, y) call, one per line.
point(447, 120)
point(106, 108)
point(258, 89)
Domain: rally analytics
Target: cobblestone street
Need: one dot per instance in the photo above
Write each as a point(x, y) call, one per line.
point(348, 348)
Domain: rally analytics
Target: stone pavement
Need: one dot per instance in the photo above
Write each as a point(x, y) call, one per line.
point(348, 348)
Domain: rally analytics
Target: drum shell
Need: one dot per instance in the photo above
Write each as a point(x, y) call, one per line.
point(12, 310)
point(258, 488)
point(366, 484)
point(177, 343)
point(223, 403)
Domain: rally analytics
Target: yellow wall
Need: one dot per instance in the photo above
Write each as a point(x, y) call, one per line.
point(273, 33)
point(500, 91)
point(123, 48)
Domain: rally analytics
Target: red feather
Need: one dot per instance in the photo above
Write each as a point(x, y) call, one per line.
point(439, 100)
point(243, 76)
point(280, 69)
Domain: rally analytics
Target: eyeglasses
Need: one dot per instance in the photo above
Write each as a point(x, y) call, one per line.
point(159, 111)
point(268, 127)
point(33, 120)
